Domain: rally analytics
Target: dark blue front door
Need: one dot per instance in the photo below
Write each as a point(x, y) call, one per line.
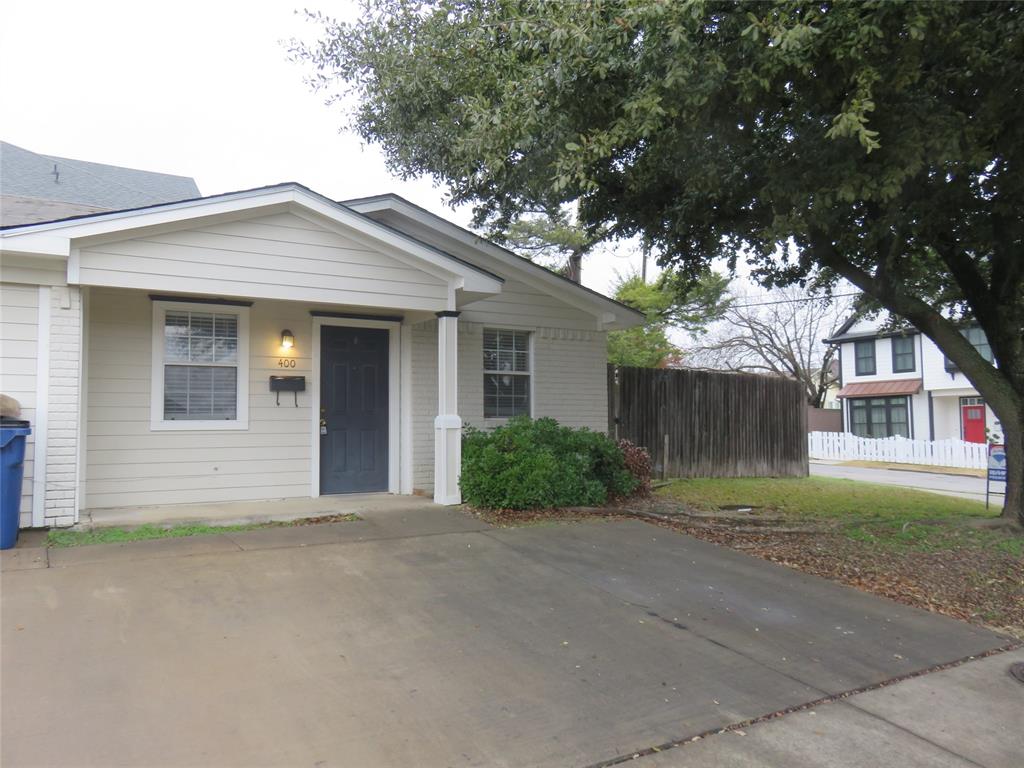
point(353, 409)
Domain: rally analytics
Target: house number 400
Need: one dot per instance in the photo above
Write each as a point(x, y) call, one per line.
point(285, 362)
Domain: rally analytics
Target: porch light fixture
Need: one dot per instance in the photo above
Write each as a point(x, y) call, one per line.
point(287, 339)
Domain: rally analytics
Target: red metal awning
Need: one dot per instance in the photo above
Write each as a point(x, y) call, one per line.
point(891, 387)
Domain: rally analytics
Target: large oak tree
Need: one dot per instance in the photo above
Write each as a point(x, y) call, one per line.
point(880, 142)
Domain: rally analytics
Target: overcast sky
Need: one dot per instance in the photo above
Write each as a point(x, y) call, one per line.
point(201, 89)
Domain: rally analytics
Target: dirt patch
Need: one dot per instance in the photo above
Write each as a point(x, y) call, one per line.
point(515, 518)
point(321, 519)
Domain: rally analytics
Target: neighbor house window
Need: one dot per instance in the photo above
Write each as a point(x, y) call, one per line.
point(506, 373)
point(879, 417)
point(903, 354)
point(978, 340)
point(864, 353)
point(200, 366)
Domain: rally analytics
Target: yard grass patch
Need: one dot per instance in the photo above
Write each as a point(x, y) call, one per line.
point(66, 538)
point(935, 537)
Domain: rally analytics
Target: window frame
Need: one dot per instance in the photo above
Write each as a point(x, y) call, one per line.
point(157, 422)
point(966, 332)
point(530, 374)
point(857, 358)
point(895, 356)
point(858, 403)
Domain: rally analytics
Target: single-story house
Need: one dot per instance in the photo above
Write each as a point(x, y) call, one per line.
point(273, 343)
point(894, 381)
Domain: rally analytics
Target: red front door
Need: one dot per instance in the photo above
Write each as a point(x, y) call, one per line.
point(973, 419)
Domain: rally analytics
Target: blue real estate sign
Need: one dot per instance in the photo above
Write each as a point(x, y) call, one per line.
point(997, 463)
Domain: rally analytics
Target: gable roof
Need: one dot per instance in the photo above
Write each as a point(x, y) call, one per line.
point(553, 282)
point(53, 238)
point(35, 176)
point(846, 332)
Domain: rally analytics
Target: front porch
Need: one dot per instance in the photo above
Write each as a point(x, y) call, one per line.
point(960, 414)
point(360, 427)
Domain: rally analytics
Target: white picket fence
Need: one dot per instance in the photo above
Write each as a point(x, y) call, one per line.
point(897, 450)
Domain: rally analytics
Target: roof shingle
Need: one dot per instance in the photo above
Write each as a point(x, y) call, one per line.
point(82, 186)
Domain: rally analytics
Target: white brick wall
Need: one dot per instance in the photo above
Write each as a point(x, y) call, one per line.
point(571, 380)
point(424, 404)
point(569, 384)
point(62, 452)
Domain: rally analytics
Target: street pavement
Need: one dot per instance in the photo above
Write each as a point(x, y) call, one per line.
point(949, 485)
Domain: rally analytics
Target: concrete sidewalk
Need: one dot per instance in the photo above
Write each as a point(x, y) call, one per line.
point(967, 716)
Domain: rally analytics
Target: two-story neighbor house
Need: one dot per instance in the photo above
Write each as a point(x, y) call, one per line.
point(897, 382)
point(274, 343)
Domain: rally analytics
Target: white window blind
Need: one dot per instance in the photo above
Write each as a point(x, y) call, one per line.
point(200, 366)
point(506, 373)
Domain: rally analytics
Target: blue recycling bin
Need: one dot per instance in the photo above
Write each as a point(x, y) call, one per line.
point(12, 468)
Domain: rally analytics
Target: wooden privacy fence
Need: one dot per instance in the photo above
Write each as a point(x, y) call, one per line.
point(897, 450)
point(709, 424)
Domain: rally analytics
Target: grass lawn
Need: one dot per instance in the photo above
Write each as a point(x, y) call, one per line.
point(880, 514)
point(66, 538)
point(920, 548)
point(822, 498)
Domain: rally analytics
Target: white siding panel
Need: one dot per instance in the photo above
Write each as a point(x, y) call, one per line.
point(519, 305)
point(32, 271)
point(128, 464)
point(277, 257)
point(19, 331)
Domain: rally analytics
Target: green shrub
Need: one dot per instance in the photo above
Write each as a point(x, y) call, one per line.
point(529, 464)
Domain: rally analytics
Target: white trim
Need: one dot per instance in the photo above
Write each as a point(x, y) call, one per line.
point(447, 423)
point(83, 401)
point(396, 403)
point(531, 333)
point(406, 474)
point(74, 266)
point(156, 406)
point(42, 409)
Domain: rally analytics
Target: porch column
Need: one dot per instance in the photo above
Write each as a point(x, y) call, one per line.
point(447, 424)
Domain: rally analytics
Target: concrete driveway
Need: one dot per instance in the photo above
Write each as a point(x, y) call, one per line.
point(426, 639)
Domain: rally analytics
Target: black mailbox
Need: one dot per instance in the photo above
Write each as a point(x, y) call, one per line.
point(287, 383)
point(294, 384)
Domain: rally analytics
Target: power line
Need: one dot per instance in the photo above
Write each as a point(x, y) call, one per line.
point(794, 301)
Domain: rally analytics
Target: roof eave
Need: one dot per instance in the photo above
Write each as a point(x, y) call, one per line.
point(611, 314)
